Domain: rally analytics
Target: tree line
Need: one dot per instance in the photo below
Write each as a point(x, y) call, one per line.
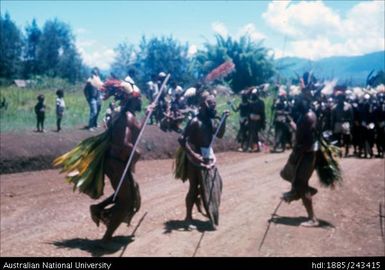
point(51, 51)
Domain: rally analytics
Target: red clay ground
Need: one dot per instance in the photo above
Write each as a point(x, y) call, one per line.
point(41, 216)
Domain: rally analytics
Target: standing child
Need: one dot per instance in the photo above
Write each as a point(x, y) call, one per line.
point(40, 113)
point(60, 105)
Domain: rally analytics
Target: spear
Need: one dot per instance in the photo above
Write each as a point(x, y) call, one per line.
point(133, 233)
point(269, 222)
point(218, 128)
point(198, 245)
point(138, 139)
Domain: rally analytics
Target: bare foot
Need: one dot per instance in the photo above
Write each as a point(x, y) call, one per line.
point(310, 223)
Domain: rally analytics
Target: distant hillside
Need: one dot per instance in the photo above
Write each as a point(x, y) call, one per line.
point(350, 69)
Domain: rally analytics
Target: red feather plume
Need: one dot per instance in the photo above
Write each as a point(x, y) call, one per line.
point(221, 71)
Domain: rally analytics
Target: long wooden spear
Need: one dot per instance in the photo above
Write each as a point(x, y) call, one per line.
point(199, 244)
point(269, 222)
point(133, 233)
point(218, 128)
point(138, 138)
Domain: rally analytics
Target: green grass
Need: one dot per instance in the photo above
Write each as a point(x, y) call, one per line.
point(20, 114)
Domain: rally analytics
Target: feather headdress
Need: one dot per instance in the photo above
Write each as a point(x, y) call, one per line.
point(221, 71)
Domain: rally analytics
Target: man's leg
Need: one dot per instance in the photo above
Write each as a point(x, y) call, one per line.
point(58, 123)
point(38, 124)
point(304, 172)
point(42, 123)
point(308, 203)
point(256, 142)
point(347, 144)
point(93, 109)
point(98, 108)
point(124, 206)
point(96, 209)
point(252, 135)
point(192, 192)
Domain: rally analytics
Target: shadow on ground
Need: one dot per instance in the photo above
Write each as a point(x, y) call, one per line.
point(296, 221)
point(181, 225)
point(95, 247)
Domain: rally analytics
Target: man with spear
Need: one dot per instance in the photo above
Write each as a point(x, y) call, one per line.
point(195, 158)
point(113, 153)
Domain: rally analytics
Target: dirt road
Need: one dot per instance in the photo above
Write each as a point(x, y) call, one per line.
point(41, 216)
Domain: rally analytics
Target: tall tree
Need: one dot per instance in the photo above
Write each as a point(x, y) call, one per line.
point(165, 54)
point(11, 42)
point(126, 60)
point(33, 34)
point(70, 65)
point(252, 64)
point(57, 52)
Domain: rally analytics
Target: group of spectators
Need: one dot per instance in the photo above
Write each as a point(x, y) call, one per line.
point(40, 109)
point(92, 94)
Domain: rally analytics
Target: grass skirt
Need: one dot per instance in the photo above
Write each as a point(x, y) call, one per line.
point(84, 165)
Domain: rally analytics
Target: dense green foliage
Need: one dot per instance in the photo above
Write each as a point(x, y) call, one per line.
point(252, 64)
point(11, 44)
point(49, 51)
point(164, 54)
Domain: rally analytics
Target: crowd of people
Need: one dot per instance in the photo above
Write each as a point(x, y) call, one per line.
point(307, 118)
point(351, 118)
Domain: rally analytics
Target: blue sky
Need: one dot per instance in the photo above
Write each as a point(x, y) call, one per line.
point(312, 29)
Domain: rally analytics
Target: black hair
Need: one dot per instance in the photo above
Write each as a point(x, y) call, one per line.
point(95, 71)
point(132, 72)
point(60, 93)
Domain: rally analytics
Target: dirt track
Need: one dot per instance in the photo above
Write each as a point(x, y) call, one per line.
point(41, 216)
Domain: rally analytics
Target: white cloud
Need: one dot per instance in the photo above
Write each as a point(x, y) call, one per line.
point(220, 28)
point(85, 43)
point(95, 55)
point(80, 30)
point(301, 19)
point(316, 31)
point(251, 31)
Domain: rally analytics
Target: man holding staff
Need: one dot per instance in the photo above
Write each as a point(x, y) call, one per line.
point(196, 161)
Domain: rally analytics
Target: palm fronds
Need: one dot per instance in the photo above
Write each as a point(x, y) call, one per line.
point(84, 165)
point(328, 169)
